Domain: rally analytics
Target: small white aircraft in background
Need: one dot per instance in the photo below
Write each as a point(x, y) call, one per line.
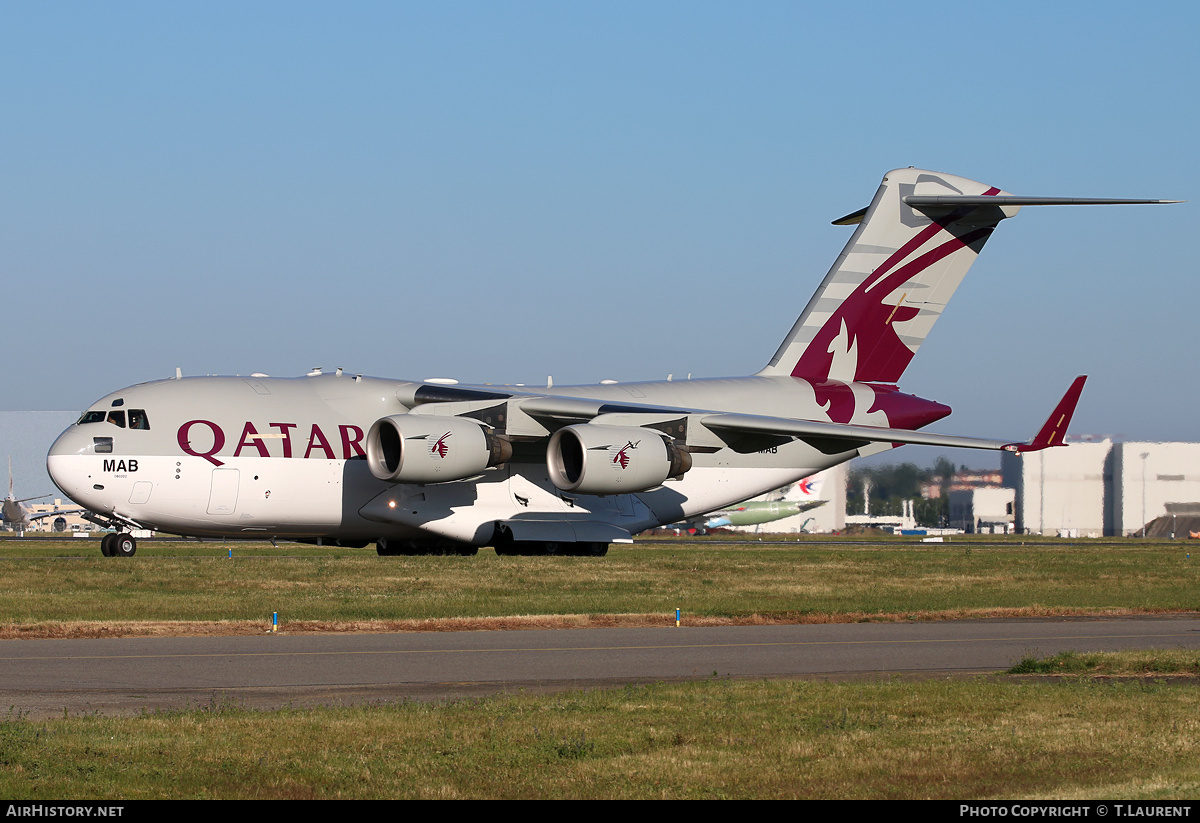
point(436, 467)
point(17, 516)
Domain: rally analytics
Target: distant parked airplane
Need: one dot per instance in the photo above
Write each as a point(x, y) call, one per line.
point(17, 516)
point(755, 512)
point(786, 502)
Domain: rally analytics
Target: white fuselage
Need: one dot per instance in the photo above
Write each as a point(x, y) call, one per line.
point(229, 456)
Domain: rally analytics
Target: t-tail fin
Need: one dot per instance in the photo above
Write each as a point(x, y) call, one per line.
point(891, 282)
point(911, 249)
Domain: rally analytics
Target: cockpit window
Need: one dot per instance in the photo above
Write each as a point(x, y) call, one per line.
point(137, 418)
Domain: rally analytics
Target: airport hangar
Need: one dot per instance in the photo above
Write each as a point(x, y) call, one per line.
point(1095, 487)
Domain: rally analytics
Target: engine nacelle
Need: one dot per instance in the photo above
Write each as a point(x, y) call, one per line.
point(596, 459)
point(417, 448)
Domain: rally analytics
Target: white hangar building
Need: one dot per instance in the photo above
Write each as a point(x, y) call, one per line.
point(1090, 489)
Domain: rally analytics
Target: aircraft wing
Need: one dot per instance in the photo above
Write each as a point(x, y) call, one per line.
point(838, 437)
point(27, 499)
point(31, 516)
point(830, 438)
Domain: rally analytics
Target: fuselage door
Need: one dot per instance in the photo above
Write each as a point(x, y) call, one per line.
point(141, 492)
point(222, 497)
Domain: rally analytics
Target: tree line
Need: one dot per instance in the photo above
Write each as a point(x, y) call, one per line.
point(888, 486)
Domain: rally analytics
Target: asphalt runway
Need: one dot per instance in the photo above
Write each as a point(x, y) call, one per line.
point(45, 678)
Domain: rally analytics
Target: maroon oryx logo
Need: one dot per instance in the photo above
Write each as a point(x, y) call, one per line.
point(440, 448)
point(621, 458)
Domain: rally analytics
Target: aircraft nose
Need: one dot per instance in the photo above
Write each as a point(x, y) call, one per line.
point(67, 463)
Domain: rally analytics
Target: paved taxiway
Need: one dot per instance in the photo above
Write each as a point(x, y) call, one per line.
point(46, 677)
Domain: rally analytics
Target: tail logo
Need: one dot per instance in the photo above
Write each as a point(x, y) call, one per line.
point(860, 340)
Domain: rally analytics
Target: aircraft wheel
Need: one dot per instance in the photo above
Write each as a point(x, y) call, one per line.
point(124, 545)
point(467, 550)
point(596, 549)
point(550, 549)
point(106, 545)
point(503, 543)
point(385, 550)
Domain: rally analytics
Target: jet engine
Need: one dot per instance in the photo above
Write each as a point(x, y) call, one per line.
point(596, 459)
point(416, 448)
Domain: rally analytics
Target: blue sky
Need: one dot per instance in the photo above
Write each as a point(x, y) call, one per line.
point(504, 191)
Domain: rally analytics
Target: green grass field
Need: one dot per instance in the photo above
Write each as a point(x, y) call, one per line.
point(890, 739)
point(1076, 726)
point(62, 586)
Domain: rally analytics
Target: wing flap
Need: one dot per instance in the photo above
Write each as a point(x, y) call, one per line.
point(832, 438)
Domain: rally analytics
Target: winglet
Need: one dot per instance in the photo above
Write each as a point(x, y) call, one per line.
point(1055, 428)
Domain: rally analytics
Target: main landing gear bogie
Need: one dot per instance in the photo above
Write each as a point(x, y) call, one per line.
point(504, 545)
point(507, 546)
point(548, 548)
point(118, 545)
point(414, 548)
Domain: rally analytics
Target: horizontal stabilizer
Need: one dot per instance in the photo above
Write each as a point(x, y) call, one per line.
point(918, 200)
point(852, 219)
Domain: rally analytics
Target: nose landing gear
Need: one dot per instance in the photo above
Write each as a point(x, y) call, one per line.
point(118, 545)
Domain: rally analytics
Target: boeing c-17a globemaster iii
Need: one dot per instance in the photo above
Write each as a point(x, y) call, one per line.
point(432, 467)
